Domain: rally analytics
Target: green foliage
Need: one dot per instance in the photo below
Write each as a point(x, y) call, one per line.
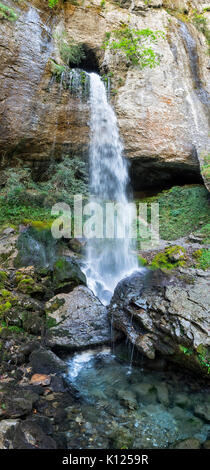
point(57, 70)
point(71, 53)
point(53, 3)
point(204, 233)
point(7, 13)
point(201, 24)
point(205, 168)
point(16, 214)
point(186, 351)
point(17, 180)
point(199, 21)
point(142, 261)
point(22, 199)
point(182, 209)
point(69, 177)
point(202, 359)
point(203, 258)
point(135, 44)
point(103, 3)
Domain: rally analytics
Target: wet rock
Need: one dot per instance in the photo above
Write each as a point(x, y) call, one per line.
point(191, 443)
point(81, 321)
point(40, 379)
point(143, 390)
point(18, 402)
point(121, 437)
point(67, 275)
point(57, 384)
point(5, 426)
point(29, 435)
point(186, 420)
point(127, 399)
point(36, 247)
point(203, 411)
point(206, 444)
point(173, 320)
point(60, 416)
point(45, 423)
point(162, 394)
point(44, 361)
point(157, 427)
point(182, 400)
point(27, 348)
point(8, 231)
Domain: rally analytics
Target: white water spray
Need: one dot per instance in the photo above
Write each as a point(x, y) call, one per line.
point(108, 260)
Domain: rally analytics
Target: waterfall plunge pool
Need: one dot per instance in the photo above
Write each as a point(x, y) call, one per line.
point(122, 405)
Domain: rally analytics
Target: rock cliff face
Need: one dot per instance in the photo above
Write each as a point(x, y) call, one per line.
point(161, 314)
point(162, 112)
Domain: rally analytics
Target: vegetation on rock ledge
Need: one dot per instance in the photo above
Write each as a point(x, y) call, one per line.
point(7, 13)
point(135, 44)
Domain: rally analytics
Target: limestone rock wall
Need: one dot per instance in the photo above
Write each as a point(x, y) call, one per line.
point(162, 112)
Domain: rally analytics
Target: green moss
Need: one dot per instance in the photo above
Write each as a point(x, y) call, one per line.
point(7, 301)
point(5, 293)
point(171, 258)
point(39, 224)
point(50, 322)
point(27, 285)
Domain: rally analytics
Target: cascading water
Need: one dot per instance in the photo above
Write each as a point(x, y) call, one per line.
point(108, 259)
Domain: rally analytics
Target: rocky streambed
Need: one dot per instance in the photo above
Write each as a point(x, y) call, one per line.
point(75, 374)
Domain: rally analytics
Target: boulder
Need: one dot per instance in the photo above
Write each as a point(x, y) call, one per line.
point(29, 435)
point(17, 401)
point(191, 443)
point(44, 361)
point(162, 313)
point(5, 426)
point(203, 411)
point(78, 320)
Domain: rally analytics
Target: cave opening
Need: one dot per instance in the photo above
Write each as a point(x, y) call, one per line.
point(90, 62)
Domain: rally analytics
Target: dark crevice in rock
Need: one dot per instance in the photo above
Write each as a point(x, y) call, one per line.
point(148, 173)
point(90, 63)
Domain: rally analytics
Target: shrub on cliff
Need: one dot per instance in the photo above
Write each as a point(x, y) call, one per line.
point(135, 44)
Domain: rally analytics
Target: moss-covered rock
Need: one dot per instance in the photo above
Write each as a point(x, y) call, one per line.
point(67, 274)
point(171, 258)
point(36, 247)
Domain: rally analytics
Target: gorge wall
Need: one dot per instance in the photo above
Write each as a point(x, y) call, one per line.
point(162, 112)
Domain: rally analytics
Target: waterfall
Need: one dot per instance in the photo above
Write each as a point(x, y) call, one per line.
point(108, 259)
point(191, 48)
